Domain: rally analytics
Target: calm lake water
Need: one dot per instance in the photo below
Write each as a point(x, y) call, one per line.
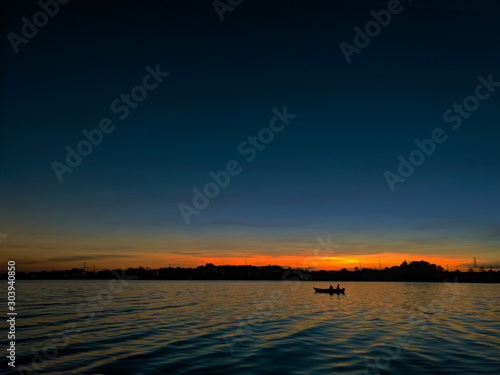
point(254, 327)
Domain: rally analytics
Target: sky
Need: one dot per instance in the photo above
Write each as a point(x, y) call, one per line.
point(327, 175)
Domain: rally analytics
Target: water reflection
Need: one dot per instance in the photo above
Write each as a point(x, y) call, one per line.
point(251, 326)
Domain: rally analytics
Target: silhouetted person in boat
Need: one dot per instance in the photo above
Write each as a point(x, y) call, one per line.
point(331, 287)
point(338, 286)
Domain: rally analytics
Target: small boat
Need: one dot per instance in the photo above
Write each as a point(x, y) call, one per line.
point(331, 291)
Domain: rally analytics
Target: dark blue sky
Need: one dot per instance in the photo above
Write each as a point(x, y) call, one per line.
point(323, 175)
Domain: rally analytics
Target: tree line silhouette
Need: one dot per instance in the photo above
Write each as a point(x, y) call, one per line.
point(414, 271)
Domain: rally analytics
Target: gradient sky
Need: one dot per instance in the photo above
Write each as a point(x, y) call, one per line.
point(322, 176)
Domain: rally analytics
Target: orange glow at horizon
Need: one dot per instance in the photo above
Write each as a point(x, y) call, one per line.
point(326, 263)
point(337, 262)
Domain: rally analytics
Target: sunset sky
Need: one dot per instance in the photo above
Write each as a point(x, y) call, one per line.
point(322, 176)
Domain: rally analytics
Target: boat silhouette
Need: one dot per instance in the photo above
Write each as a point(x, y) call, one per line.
point(330, 290)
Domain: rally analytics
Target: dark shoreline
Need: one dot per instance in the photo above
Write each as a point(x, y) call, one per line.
point(415, 271)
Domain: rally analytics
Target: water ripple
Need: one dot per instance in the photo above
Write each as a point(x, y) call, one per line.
point(179, 327)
